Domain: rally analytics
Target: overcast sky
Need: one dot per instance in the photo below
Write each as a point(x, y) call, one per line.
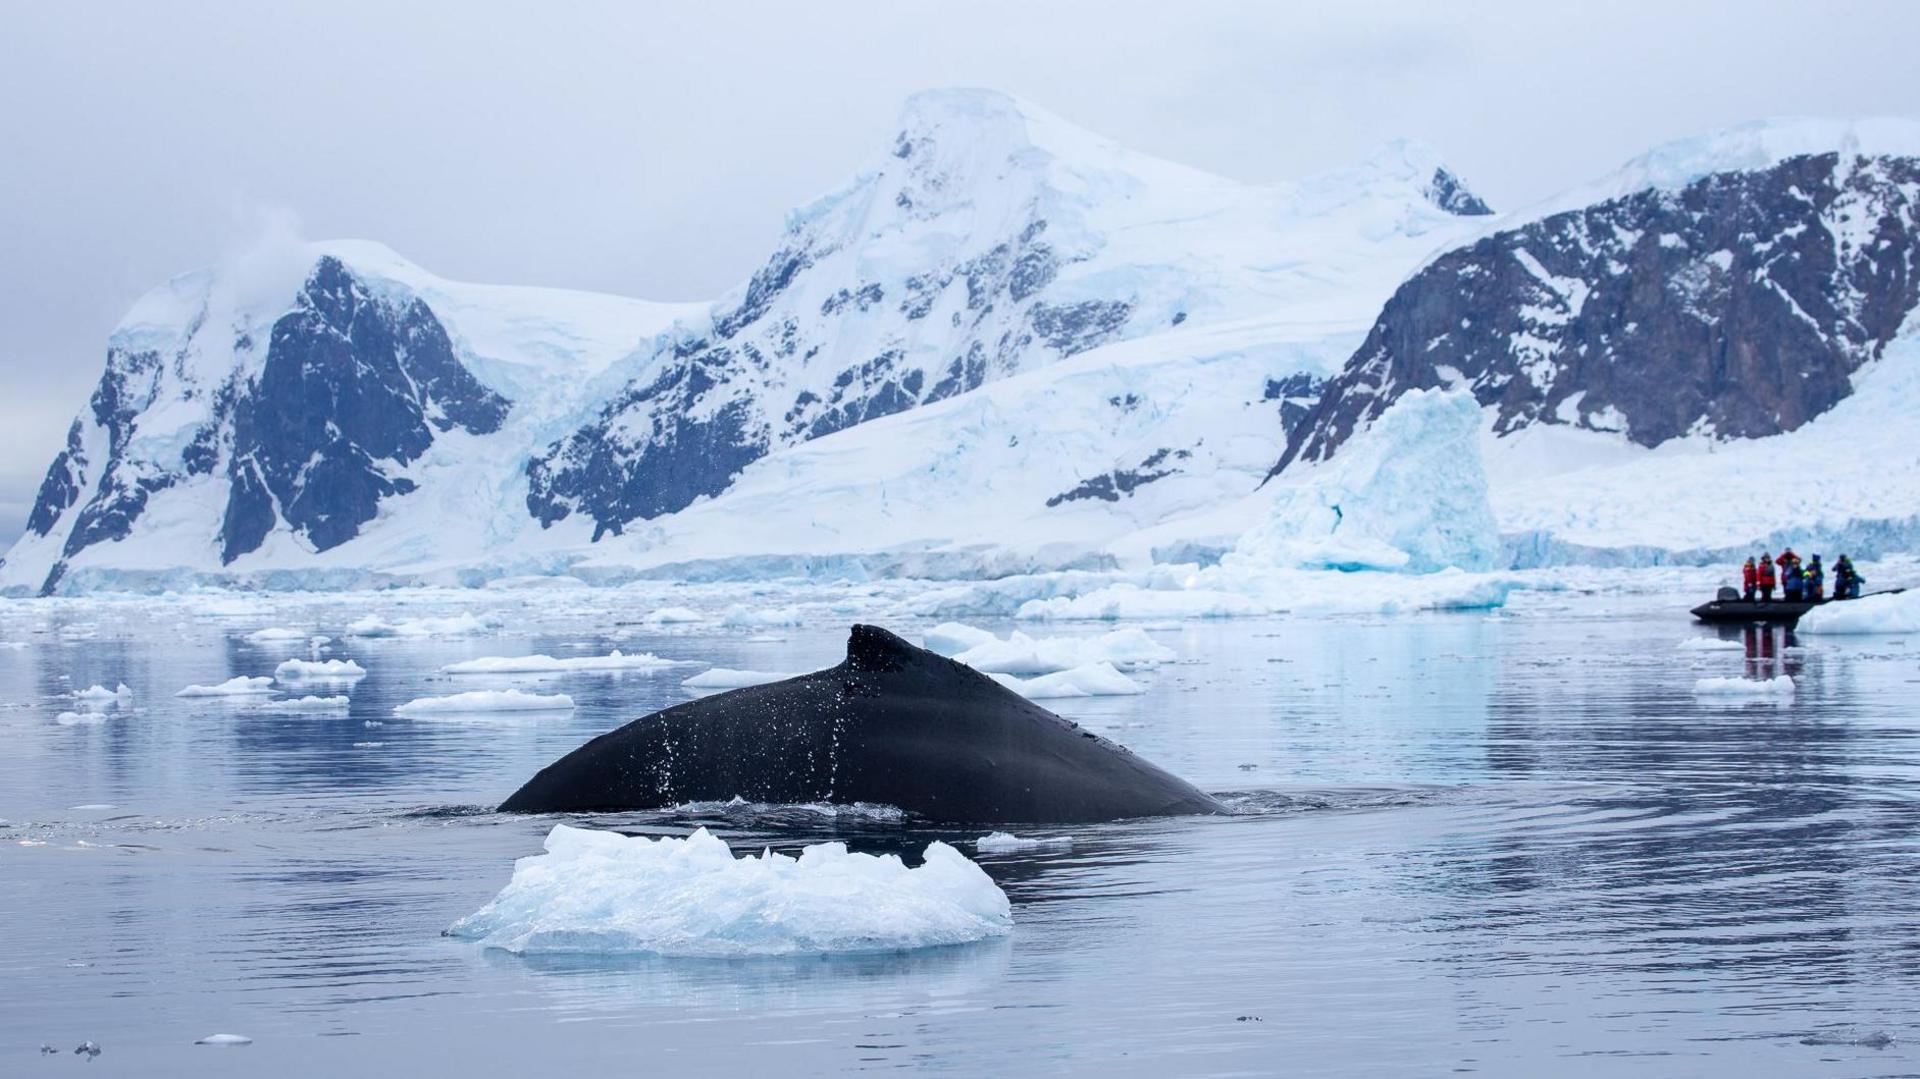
point(652, 149)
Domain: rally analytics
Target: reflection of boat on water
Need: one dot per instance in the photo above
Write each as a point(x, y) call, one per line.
point(1728, 606)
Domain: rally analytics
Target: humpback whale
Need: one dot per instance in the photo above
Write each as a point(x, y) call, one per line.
point(892, 725)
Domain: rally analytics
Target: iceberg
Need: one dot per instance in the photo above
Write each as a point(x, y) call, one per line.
point(1409, 495)
point(602, 893)
point(952, 638)
point(240, 686)
point(485, 700)
point(1888, 612)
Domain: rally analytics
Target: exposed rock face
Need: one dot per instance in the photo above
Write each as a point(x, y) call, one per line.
point(353, 387)
point(1738, 305)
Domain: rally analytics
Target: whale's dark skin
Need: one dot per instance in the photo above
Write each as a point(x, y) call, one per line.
point(891, 725)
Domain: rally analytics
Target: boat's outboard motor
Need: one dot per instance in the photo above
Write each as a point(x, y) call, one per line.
point(1727, 594)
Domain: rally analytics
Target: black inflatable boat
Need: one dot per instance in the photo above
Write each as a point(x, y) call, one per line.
point(1729, 607)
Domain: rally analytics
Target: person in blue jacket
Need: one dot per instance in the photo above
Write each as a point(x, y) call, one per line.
point(1816, 585)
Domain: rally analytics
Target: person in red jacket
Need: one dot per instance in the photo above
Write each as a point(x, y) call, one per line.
point(1749, 576)
point(1766, 576)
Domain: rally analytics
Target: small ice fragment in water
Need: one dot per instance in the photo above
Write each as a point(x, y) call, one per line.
point(1744, 687)
point(224, 1039)
point(233, 687)
point(1093, 680)
point(322, 670)
point(485, 700)
point(1006, 843)
point(730, 678)
point(1709, 644)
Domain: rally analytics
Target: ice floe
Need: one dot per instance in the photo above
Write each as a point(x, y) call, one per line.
point(304, 704)
point(732, 678)
point(485, 700)
point(239, 686)
point(952, 638)
point(1024, 655)
point(76, 719)
point(1092, 680)
point(605, 893)
point(277, 635)
point(459, 625)
point(98, 694)
point(673, 615)
point(1708, 644)
point(1781, 686)
point(319, 670)
point(1007, 843)
point(1884, 613)
point(613, 661)
point(224, 1039)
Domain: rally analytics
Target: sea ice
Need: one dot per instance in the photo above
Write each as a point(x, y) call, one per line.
point(614, 661)
point(319, 670)
point(277, 634)
point(224, 1039)
point(606, 893)
point(233, 687)
point(1092, 680)
point(952, 638)
point(1884, 613)
point(741, 615)
point(670, 615)
point(730, 678)
point(459, 625)
point(1709, 644)
point(1024, 655)
point(72, 719)
point(485, 700)
point(98, 694)
point(304, 704)
point(1007, 843)
point(1744, 687)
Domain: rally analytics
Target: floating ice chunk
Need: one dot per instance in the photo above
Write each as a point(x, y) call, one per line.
point(1006, 843)
point(98, 694)
point(740, 615)
point(459, 625)
point(1709, 644)
point(1092, 680)
point(1024, 655)
point(1780, 686)
point(368, 745)
point(730, 678)
point(605, 893)
point(304, 704)
point(952, 638)
point(613, 661)
point(277, 634)
point(1884, 613)
point(72, 719)
point(485, 700)
point(233, 687)
point(671, 615)
point(319, 670)
point(224, 1039)
point(1130, 601)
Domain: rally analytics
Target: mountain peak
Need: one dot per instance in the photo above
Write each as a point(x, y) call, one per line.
point(1416, 162)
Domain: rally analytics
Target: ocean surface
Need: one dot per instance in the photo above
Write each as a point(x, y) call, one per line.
point(1508, 842)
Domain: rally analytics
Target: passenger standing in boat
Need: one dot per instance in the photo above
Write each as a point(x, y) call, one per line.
point(1766, 577)
point(1748, 578)
point(1846, 579)
point(1793, 581)
point(1816, 589)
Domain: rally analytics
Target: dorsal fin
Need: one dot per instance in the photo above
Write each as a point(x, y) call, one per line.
point(870, 648)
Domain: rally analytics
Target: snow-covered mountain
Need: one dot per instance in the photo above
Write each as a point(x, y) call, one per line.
point(1725, 287)
point(1009, 345)
point(990, 240)
point(276, 407)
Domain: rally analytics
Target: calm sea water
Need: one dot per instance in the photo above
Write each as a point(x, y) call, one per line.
point(1505, 844)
